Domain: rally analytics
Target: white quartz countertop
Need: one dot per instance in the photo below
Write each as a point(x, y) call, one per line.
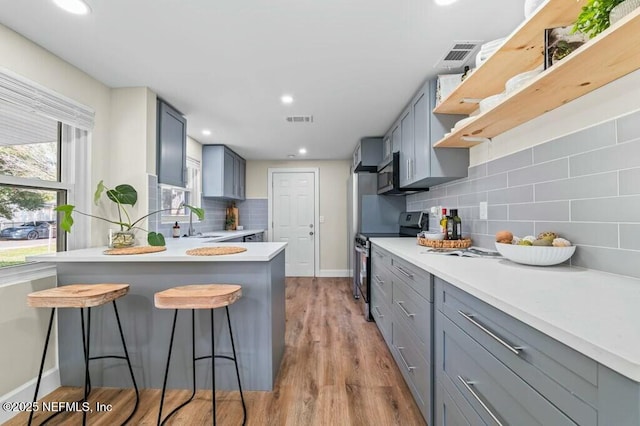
point(176, 251)
point(595, 313)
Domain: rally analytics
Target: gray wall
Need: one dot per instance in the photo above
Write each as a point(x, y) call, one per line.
point(585, 186)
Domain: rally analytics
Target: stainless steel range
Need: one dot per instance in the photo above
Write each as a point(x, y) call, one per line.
point(410, 224)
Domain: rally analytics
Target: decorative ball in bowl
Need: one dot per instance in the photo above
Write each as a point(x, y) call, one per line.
point(535, 255)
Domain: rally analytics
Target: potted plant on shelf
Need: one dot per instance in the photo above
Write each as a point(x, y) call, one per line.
point(597, 15)
point(123, 195)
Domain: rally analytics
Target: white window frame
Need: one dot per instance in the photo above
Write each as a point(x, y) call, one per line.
point(75, 177)
point(195, 194)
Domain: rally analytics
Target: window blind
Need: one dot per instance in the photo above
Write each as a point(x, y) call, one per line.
point(32, 97)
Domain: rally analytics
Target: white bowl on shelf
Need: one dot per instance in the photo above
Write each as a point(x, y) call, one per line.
point(535, 255)
point(487, 103)
point(518, 81)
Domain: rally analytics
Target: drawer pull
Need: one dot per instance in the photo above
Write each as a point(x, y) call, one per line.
point(380, 281)
point(378, 311)
point(403, 272)
point(469, 317)
point(468, 385)
point(400, 303)
point(404, 361)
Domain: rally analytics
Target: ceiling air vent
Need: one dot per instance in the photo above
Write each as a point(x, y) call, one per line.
point(459, 54)
point(300, 119)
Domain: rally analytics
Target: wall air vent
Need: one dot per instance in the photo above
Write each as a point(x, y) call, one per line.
point(459, 55)
point(300, 119)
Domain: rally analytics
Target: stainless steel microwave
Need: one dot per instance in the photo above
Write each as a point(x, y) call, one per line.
point(389, 178)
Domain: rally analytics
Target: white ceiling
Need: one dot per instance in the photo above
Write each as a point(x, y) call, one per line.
point(353, 65)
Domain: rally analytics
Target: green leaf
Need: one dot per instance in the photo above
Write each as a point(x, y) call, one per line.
point(98, 193)
point(67, 221)
point(155, 239)
point(196, 210)
point(123, 194)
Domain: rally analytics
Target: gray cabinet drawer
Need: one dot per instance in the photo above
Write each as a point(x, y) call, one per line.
point(454, 413)
point(381, 283)
point(495, 392)
point(381, 312)
point(416, 278)
point(557, 372)
point(380, 257)
point(415, 313)
point(414, 367)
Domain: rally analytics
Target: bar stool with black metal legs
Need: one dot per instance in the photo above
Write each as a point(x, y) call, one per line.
point(82, 296)
point(203, 296)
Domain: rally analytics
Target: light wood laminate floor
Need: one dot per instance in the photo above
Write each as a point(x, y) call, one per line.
point(336, 370)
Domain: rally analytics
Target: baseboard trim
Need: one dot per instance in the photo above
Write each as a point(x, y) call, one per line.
point(24, 393)
point(334, 273)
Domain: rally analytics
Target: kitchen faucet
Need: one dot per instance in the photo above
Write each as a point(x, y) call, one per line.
point(191, 232)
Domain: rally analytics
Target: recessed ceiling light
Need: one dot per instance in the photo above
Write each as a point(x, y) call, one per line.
point(302, 150)
point(291, 156)
point(286, 99)
point(444, 2)
point(206, 132)
point(77, 7)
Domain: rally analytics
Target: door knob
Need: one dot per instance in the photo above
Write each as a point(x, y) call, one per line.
point(311, 225)
point(311, 233)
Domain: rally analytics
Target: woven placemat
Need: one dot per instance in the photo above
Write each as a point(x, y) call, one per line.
point(215, 251)
point(445, 244)
point(135, 250)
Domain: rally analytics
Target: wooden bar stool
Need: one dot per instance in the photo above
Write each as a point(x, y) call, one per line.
point(82, 296)
point(204, 296)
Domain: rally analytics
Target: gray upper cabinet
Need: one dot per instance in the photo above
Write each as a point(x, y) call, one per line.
point(422, 166)
point(223, 173)
point(172, 146)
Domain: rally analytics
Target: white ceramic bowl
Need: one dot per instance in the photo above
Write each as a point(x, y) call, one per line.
point(487, 103)
point(433, 235)
point(518, 81)
point(535, 255)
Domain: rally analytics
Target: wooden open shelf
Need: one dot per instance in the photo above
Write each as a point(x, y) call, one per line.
point(522, 51)
point(612, 54)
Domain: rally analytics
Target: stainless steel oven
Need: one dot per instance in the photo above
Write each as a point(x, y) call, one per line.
point(361, 272)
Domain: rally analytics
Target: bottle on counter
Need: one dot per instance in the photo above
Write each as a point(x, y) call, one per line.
point(454, 225)
point(176, 230)
point(443, 224)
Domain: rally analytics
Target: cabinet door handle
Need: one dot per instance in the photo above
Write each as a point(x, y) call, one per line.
point(467, 385)
point(405, 273)
point(380, 281)
point(408, 165)
point(404, 361)
point(469, 317)
point(378, 312)
point(400, 303)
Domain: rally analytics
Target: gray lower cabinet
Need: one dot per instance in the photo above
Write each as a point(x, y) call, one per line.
point(223, 173)
point(493, 369)
point(171, 145)
point(401, 304)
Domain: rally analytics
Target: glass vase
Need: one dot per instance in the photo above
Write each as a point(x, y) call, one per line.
point(120, 239)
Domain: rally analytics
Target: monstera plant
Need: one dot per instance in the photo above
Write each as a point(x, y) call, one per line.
point(122, 195)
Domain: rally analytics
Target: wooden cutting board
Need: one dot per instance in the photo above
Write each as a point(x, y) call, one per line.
point(236, 220)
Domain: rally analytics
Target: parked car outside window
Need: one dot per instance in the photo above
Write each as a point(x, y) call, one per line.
point(29, 231)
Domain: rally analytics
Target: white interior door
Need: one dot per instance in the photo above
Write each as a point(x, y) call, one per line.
point(293, 220)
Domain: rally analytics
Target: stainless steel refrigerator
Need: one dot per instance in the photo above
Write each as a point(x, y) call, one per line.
point(368, 212)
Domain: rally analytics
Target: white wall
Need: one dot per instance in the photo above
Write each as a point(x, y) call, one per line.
point(618, 98)
point(333, 205)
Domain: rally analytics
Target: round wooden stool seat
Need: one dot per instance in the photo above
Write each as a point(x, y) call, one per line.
point(77, 295)
point(198, 296)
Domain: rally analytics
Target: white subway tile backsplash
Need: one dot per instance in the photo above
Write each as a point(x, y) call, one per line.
point(628, 127)
point(629, 236)
point(520, 194)
point(591, 234)
point(629, 181)
point(520, 229)
point(617, 261)
point(614, 209)
point(498, 212)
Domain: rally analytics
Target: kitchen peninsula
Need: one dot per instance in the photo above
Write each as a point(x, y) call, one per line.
point(258, 318)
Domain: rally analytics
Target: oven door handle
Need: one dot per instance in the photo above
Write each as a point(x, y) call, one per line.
point(363, 251)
